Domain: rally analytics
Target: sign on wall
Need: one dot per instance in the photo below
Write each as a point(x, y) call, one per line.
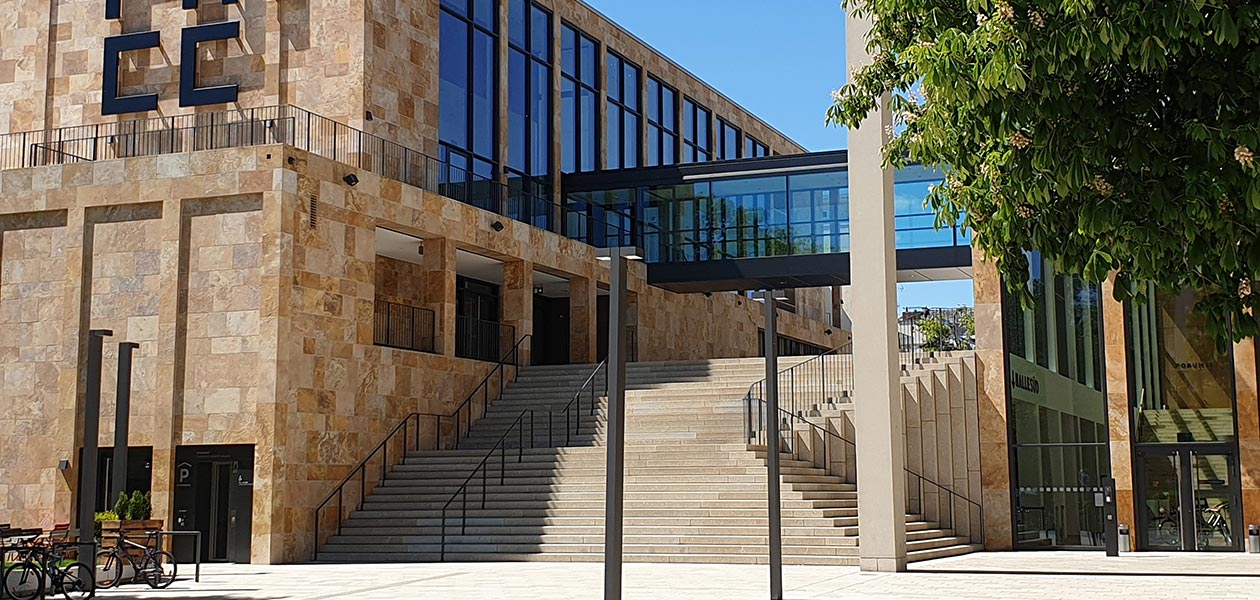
point(190, 37)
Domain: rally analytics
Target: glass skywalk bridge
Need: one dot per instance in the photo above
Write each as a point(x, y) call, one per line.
point(775, 222)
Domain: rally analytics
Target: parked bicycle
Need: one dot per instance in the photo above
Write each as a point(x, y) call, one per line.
point(155, 567)
point(39, 567)
point(1209, 521)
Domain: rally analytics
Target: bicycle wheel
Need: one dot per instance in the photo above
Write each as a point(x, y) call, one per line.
point(1168, 533)
point(109, 568)
point(159, 570)
point(76, 581)
point(24, 581)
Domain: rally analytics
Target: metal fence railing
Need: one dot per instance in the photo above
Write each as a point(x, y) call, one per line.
point(403, 326)
point(481, 340)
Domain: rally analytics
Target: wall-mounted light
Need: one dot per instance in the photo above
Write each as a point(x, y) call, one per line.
point(292, 160)
point(63, 465)
point(368, 116)
point(828, 332)
point(351, 180)
point(708, 294)
point(497, 226)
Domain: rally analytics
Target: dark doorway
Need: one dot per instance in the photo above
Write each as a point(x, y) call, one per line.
point(478, 332)
point(214, 494)
point(551, 331)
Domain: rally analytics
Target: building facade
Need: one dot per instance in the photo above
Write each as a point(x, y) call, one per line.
point(316, 220)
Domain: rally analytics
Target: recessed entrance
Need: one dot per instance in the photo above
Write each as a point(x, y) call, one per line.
point(1187, 499)
point(214, 494)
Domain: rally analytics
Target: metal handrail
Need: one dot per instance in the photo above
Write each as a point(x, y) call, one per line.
point(754, 426)
point(383, 448)
point(976, 528)
point(843, 374)
point(484, 388)
point(518, 425)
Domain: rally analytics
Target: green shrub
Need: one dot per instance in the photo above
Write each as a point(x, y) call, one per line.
point(936, 334)
point(122, 506)
point(140, 507)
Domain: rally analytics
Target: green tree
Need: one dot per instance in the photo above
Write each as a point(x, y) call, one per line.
point(937, 335)
point(1111, 135)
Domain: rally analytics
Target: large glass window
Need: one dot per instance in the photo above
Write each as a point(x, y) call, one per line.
point(662, 140)
point(579, 68)
point(1182, 389)
point(696, 122)
point(1058, 411)
point(753, 148)
point(728, 141)
point(529, 91)
point(623, 112)
point(468, 98)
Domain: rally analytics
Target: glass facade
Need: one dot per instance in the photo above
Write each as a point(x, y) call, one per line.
point(468, 93)
point(1058, 411)
point(696, 123)
point(754, 148)
point(760, 216)
point(579, 106)
point(529, 93)
point(624, 87)
point(1182, 396)
point(662, 139)
point(728, 141)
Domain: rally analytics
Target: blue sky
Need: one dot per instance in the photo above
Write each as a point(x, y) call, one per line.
point(779, 60)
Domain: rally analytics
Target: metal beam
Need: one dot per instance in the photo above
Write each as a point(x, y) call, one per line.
point(89, 457)
point(122, 421)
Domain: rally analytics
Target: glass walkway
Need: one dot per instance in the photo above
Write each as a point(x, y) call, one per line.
point(780, 221)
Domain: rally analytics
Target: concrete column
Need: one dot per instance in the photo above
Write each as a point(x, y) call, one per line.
point(438, 293)
point(881, 452)
point(583, 320)
point(518, 301)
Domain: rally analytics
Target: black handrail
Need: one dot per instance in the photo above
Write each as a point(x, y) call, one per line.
point(817, 387)
point(975, 527)
point(756, 421)
point(383, 448)
point(518, 425)
point(463, 425)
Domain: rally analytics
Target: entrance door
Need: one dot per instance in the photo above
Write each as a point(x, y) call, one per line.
point(214, 494)
point(1188, 499)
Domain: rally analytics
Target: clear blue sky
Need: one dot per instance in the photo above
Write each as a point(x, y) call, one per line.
point(778, 59)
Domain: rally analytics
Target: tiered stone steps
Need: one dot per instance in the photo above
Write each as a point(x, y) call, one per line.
point(695, 491)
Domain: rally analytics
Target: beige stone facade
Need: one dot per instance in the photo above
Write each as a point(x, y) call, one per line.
point(256, 327)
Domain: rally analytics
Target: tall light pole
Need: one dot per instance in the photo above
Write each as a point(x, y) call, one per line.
point(615, 470)
point(770, 297)
point(91, 450)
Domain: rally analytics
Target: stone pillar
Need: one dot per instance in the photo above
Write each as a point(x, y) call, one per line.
point(1248, 431)
point(518, 301)
point(881, 452)
point(992, 402)
point(583, 320)
point(438, 291)
point(1116, 366)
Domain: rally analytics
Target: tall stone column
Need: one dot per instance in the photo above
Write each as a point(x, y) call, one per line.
point(583, 320)
point(438, 292)
point(518, 301)
point(1248, 430)
point(1116, 366)
point(995, 468)
point(881, 451)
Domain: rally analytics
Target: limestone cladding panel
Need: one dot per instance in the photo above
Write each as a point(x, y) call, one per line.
point(276, 340)
point(224, 276)
point(399, 281)
point(401, 72)
point(995, 471)
point(36, 365)
point(125, 292)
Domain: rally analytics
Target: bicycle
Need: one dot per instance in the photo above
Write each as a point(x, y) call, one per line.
point(1211, 521)
point(156, 567)
point(38, 566)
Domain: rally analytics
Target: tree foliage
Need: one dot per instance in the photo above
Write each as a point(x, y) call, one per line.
point(1115, 136)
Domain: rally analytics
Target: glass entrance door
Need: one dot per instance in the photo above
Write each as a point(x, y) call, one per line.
point(1188, 499)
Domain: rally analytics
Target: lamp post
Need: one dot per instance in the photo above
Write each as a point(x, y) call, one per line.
point(122, 420)
point(615, 470)
point(91, 430)
point(771, 298)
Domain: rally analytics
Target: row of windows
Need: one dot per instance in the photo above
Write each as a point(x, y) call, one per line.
point(469, 101)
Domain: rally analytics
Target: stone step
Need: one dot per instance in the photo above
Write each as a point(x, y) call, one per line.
point(405, 557)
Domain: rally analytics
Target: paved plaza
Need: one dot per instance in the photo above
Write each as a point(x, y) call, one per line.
point(988, 576)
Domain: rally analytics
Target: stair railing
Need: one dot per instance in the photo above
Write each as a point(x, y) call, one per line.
point(461, 418)
point(573, 421)
point(756, 420)
point(824, 380)
point(975, 526)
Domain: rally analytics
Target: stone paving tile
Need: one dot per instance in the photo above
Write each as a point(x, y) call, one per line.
point(989, 576)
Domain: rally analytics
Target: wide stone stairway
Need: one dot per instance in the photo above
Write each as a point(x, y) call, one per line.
point(695, 490)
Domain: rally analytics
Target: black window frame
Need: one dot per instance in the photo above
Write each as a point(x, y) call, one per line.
point(596, 87)
point(666, 127)
point(725, 128)
point(696, 148)
point(469, 156)
point(619, 106)
point(539, 184)
point(754, 148)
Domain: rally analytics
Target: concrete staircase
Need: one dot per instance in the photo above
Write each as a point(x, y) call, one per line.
point(695, 490)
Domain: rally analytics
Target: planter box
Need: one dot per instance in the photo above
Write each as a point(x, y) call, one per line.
point(135, 531)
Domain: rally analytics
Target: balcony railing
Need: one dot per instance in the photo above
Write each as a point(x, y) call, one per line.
point(482, 340)
point(404, 327)
point(304, 130)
